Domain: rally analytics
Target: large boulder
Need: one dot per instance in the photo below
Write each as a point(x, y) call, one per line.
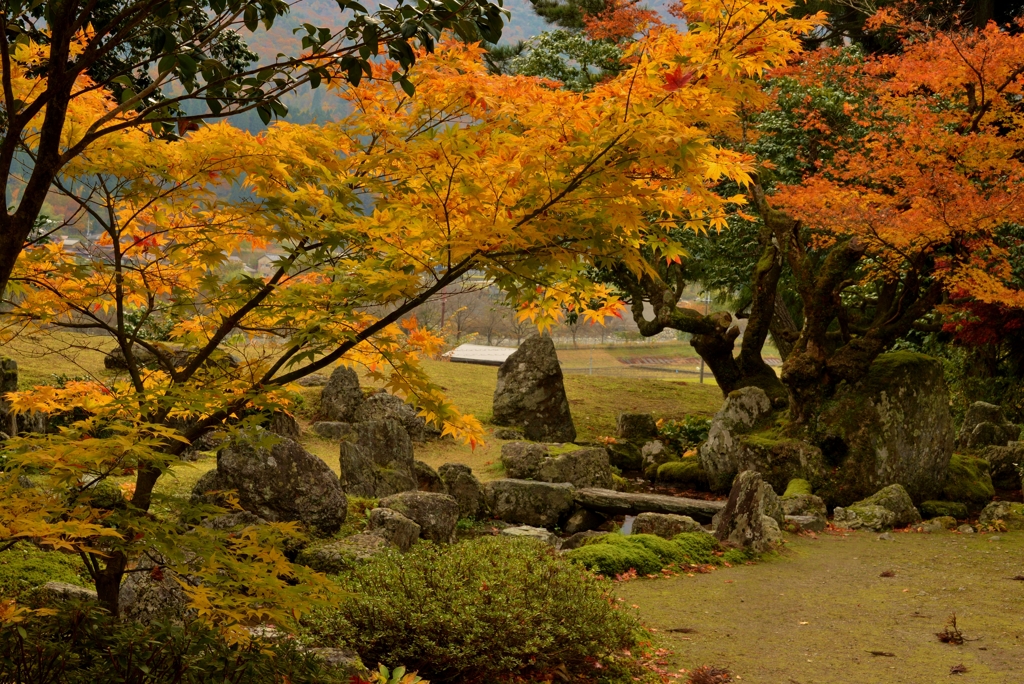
point(530, 394)
point(1004, 464)
point(463, 486)
point(386, 406)
point(436, 514)
point(752, 515)
point(719, 454)
point(985, 425)
point(341, 396)
point(398, 529)
point(887, 508)
point(278, 480)
point(284, 424)
point(331, 429)
point(528, 502)
point(664, 525)
point(582, 467)
point(742, 438)
point(893, 427)
point(376, 459)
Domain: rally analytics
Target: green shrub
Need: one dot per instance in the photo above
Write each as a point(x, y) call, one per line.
point(483, 610)
point(797, 487)
point(83, 645)
point(686, 433)
point(968, 480)
point(939, 509)
point(24, 566)
point(684, 471)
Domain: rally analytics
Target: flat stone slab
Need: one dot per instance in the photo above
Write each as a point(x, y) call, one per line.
point(624, 503)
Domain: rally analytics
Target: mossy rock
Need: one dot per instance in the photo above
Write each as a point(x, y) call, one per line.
point(939, 509)
point(698, 547)
point(1011, 514)
point(612, 559)
point(968, 480)
point(891, 427)
point(946, 522)
point(333, 556)
point(797, 487)
point(667, 551)
point(686, 471)
point(625, 456)
point(25, 567)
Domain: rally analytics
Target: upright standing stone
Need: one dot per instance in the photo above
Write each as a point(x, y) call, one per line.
point(463, 486)
point(985, 425)
point(752, 516)
point(531, 395)
point(341, 397)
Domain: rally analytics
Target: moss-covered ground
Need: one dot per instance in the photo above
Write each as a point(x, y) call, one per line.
point(815, 613)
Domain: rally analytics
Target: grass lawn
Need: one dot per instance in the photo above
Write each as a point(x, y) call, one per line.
point(821, 613)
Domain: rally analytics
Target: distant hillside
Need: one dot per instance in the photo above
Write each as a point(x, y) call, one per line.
point(317, 105)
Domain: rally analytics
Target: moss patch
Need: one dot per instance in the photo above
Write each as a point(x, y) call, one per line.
point(968, 481)
point(939, 509)
point(614, 554)
point(615, 559)
point(684, 471)
point(797, 487)
point(25, 567)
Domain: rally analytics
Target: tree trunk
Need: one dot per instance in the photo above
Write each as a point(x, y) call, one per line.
point(108, 582)
point(783, 328)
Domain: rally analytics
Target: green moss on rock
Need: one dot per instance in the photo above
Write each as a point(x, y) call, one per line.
point(939, 509)
point(698, 547)
point(24, 567)
point(615, 559)
point(686, 471)
point(968, 480)
point(797, 487)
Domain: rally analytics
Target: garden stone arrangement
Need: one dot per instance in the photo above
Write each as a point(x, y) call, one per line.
point(752, 291)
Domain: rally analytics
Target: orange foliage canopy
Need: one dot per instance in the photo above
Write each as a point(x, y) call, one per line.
point(939, 170)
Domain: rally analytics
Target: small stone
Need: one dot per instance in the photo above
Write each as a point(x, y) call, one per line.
point(427, 479)
point(527, 532)
point(56, 592)
point(527, 502)
point(811, 523)
point(312, 380)
point(508, 433)
point(994, 537)
point(343, 664)
point(463, 486)
point(965, 529)
point(583, 520)
point(337, 555)
point(636, 426)
point(436, 514)
point(886, 536)
point(665, 525)
point(394, 527)
point(577, 540)
point(331, 429)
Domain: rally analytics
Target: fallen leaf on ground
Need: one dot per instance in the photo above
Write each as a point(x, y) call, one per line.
point(883, 654)
point(958, 669)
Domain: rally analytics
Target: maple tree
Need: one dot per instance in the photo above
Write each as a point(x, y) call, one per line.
point(892, 222)
point(512, 178)
point(169, 65)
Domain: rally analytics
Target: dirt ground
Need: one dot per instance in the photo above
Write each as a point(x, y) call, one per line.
point(815, 613)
